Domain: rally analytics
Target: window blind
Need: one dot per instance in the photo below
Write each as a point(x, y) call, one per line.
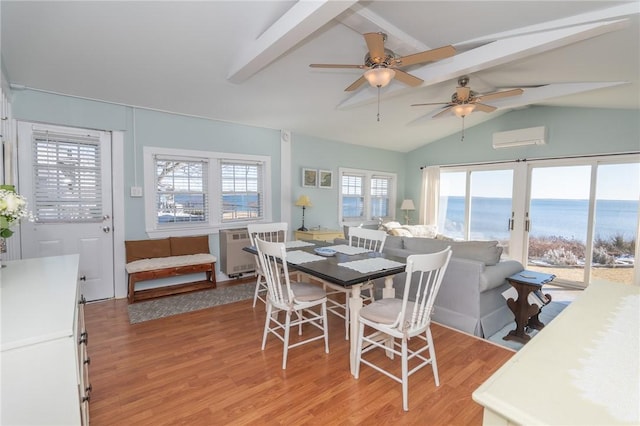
point(242, 195)
point(181, 190)
point(66, 178)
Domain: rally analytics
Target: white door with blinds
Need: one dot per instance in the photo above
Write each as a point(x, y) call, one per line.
point(65, 174)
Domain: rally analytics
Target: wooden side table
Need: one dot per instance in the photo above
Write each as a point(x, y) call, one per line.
point(318, 234)
point(526, 314)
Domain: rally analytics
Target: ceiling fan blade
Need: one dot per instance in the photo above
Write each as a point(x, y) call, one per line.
point(433, 103)
point(427, 56)
point(335, 66)
point(498, 95)
point(359, 82)
point(463, 93)
point(443, 112)
point(484, 108)
point(407, 78)
point(375, 44)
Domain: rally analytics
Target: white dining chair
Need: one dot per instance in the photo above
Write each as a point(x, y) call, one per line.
point(273, 232)
point(396, 319)
point(368, 239)
point(292, 298)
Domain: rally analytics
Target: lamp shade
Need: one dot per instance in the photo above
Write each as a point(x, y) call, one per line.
point(407, 205)
point(379, 77)
point(463, 109)
point(303, 201)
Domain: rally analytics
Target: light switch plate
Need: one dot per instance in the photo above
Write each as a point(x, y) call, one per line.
point(136, 191)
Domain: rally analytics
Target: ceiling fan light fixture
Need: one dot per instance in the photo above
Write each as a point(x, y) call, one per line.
point(379, 77)
point(463, 110)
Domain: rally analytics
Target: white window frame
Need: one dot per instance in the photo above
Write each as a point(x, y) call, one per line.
point(213, 184)
point(368, 175)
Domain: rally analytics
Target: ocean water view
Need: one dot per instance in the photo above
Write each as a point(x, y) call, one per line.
point(548, 218)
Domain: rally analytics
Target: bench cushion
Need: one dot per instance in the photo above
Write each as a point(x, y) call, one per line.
point(168, 262)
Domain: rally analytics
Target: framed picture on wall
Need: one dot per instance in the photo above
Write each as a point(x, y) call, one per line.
point(325, 179)
point(309, 178)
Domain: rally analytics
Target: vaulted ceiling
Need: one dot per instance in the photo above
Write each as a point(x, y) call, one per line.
point(248, 62)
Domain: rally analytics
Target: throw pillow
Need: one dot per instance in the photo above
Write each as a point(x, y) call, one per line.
point(400, 232)
point(424, 231)
point(390, 225)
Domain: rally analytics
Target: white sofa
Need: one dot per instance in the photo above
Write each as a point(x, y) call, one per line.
point(470, 298)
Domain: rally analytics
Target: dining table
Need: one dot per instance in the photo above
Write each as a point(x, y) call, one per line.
point(346, 266)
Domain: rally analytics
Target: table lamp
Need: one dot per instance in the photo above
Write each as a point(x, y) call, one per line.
point(406, 206)
point(303, 202)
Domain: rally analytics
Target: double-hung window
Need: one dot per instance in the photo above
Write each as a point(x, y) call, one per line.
point(192, 192)
point(181, 190)
point(366, 195)
point(241, 191)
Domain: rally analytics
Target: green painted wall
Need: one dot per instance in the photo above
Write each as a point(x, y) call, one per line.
point(570, 132)
point(314, 153)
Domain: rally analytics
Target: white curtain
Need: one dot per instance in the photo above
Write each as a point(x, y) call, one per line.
point(429, 195)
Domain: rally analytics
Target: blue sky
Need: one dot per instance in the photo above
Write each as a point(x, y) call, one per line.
point(615, 182)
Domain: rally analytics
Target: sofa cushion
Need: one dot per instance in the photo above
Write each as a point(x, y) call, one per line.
point(393, 242)
point(483, 251)
point(425, 245)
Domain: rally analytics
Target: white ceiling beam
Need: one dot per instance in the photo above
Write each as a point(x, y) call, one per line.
point(304, 18)
point(612, 13)
point(493, 54)
point(362, 20)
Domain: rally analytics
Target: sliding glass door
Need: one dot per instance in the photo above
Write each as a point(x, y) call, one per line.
point(557, 220)
point(577, 218)
point(615, 222)
point(491, 208)
point(485, 214)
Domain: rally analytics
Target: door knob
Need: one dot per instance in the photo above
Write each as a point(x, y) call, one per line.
point(106, 229)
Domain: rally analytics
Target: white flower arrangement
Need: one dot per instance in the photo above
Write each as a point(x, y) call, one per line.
point(13, 207)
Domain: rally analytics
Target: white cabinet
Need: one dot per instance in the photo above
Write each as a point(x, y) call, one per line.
point(43, 356)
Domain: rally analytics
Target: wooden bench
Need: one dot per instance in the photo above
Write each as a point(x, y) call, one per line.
point(168, 257)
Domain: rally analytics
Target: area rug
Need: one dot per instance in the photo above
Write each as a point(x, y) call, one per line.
point(549, 312)
point(181, 303)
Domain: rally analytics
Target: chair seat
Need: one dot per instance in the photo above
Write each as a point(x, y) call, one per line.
point(384, 311)
point(306, 292)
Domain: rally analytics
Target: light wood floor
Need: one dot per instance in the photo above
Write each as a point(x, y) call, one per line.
point(206, 368)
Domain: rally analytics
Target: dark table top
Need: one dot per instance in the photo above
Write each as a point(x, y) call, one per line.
point(532, 278)
point(328, 269)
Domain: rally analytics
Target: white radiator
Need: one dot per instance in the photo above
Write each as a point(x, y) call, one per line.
point(233, 260)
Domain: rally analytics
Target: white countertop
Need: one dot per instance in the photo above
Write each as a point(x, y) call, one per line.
point(47, 312)
point(583, 368)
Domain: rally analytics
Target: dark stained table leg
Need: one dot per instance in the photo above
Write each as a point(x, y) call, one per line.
point(526, 315)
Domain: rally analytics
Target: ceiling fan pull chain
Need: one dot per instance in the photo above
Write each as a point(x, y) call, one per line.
point(378, 103)
point(462, 138)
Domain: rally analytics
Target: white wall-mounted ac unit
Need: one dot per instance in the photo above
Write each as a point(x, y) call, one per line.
point(520, 137)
